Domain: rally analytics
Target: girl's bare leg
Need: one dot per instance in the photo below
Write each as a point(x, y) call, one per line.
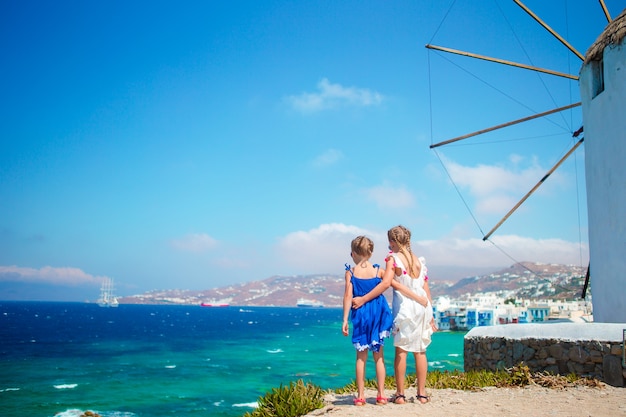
point(380, 372)
point(399, 366)
point(361, 358)
point(421, 369)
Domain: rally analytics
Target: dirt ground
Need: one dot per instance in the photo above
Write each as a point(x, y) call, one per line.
point(489, 402)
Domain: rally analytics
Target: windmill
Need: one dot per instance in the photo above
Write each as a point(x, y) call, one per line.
point(602, 84)
point(603, 94)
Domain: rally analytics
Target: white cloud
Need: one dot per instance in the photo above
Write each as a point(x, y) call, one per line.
point(543, 250)
point(495, 204)
point(386, 196)
point(479, 253)
point(498, 188)
point(326, 248)
point(195, 242)
point(330, 157)
point(516, 159)
point(48, 274)
point(332, 96)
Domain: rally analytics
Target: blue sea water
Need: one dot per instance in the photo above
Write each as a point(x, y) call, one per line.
point(59, 359)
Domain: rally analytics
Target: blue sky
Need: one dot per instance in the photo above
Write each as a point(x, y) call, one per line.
point(199, 144)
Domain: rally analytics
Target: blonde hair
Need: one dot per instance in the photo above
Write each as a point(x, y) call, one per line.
point(402, 236)
point(362, 246)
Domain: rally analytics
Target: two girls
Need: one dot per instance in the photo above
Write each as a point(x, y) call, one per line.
point(413, 321)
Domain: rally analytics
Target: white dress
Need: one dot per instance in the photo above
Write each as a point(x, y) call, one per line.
point(412, 329)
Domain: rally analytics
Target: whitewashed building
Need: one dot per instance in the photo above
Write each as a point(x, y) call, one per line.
point(603, 95)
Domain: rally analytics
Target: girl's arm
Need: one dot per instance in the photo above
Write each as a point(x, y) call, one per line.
point(347, 304)
point(407, 292)
point(380, 288)
point(427, 289)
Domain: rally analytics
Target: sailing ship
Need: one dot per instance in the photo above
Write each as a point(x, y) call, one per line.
point(107, 299)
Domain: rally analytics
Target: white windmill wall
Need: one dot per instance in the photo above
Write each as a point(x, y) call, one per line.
point(603, 94)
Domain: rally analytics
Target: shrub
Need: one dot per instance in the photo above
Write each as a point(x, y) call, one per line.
point(295, 400)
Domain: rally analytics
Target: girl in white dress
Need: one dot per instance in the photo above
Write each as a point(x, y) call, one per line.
point(412, 311)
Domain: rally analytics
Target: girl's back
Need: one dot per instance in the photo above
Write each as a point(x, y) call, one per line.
point(371, 322)
point(364, 279)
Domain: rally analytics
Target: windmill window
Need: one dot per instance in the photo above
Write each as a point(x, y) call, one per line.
point(597, 70)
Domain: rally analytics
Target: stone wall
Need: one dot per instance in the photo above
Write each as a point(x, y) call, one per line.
point(588, 349)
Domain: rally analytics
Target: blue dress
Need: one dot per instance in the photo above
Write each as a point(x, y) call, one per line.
point(372, 322)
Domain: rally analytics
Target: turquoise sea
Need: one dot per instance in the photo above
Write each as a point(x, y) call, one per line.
point(59, 359)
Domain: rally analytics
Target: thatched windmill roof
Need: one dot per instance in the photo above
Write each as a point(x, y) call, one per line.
point(612, 35)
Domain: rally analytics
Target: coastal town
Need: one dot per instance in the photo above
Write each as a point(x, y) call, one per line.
point(523, 293)
point(491, 309)
point(530, 293)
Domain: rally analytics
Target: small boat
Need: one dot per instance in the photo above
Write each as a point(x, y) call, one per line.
point(303, 302)
point(107, 299)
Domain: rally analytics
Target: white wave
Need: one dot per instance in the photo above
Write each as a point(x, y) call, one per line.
point(275, 351)
point(170, 366)
point(9, 389)
point(73, 412)
point(454, 354)
point(65, 386)
point(251, 405)
point(217, 365)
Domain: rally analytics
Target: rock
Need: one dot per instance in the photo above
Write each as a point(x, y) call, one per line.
point(612, 370)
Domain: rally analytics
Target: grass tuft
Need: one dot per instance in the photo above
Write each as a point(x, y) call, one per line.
point(518, 376)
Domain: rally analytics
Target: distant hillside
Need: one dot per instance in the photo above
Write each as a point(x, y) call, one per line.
point(273, 291)
point(524, 280)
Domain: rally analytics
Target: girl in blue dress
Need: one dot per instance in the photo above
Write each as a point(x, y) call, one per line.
point(372, 322)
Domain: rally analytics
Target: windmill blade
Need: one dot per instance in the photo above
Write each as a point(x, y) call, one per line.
point(549, 29)
point(501, 61)
point(490, 129)
point(541, 181)
point(607, 14)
